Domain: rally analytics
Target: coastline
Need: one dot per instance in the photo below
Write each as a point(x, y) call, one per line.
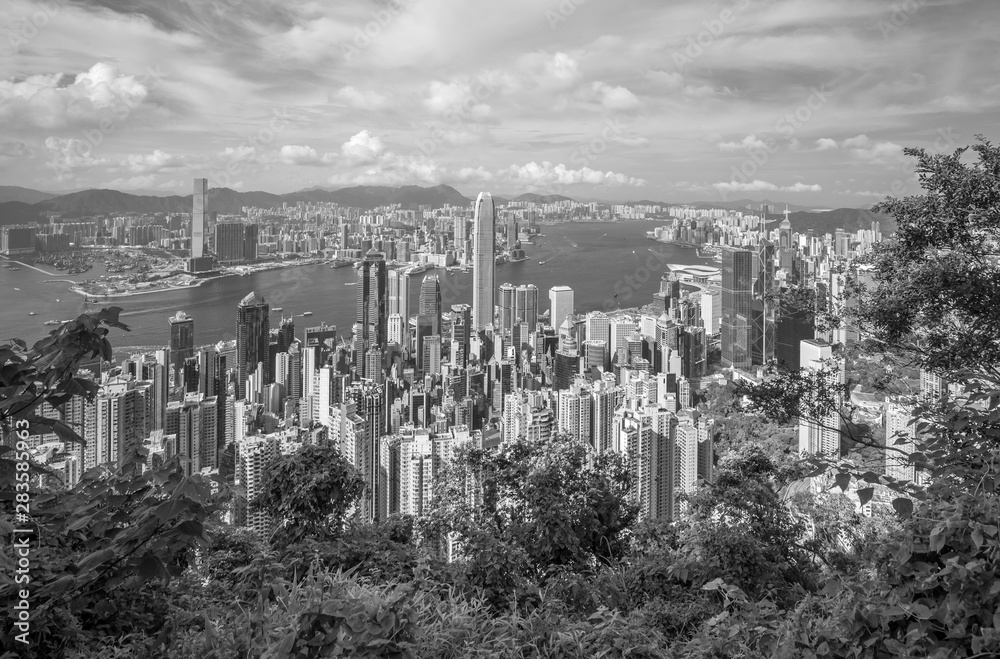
point(194, 283)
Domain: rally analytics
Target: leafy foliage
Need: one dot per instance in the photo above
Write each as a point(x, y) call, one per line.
point(930, 290)
point(47, 372)
point(311, 491)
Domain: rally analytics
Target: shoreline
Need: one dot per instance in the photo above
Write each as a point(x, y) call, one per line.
point(195, 283)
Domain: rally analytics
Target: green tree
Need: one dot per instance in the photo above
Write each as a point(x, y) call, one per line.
point(310, 492)
point(47, 372)
point(546, 506)
point(930, 290)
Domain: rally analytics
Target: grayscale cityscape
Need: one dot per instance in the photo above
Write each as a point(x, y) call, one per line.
point(404, 328)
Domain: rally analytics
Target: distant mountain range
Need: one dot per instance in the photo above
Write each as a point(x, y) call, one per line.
point(23, 195)
point(20, 205)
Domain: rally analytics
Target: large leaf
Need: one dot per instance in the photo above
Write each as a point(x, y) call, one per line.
point(903, 506)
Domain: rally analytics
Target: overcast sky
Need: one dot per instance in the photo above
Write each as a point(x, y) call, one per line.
point(809, 101)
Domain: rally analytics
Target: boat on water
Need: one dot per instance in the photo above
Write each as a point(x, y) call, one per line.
point(307, 313)
point(17, 289)
point(350, 283)
point(53, 322)
point(31, 313)
point(276, 309)
point(541, 263)
point(421, 267)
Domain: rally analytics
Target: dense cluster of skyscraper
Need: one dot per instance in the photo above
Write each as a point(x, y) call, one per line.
point(399, 392)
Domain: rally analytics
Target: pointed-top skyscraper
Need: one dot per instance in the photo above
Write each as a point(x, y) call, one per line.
point(484, 234)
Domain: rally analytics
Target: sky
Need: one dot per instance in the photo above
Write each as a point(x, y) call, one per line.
point(807, 101)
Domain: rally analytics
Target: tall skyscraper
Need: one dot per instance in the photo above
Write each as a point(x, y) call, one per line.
point(430, 302)
point(253, 335)
point(372, 318)
point(525, 305)
point(399, 295)
point(560, 305)
point(483, 262)
point(198, 210)
point(181, 342)
point(505, 309)
point(737, 299)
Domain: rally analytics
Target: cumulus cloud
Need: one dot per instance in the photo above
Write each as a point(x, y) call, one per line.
point(825, 144)
point(459, 99)
point(615, 98)
point(59, 100)
point(550, 71)
point(547, 174)
point(758, 185)
point(748, 143)
point(157, 161)
point(239, 154)
point(293, 154)
point(363, 148)
point(381, 166)
point(67, 155)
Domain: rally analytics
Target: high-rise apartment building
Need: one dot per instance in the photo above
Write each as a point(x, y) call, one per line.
point(181, 342)
point(484, 234)
point(235, 243)
point(821, 435)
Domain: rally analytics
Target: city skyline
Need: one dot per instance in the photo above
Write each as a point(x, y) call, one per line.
point(804, 100)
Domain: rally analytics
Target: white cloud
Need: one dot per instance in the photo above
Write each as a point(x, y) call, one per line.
point(748, 143)
point(157, 161)
point(363, 99)
point(549, 71)
point(547, 174)
point(459, 99)
point(615, 98)
point(889, 154)
point(803, 187)
point(825, 144)
point(671, 80)
point(293, 154)
point(240, 154)
point(59, 101)
point(758, 185)
point(363, 148)
point(66, 155)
